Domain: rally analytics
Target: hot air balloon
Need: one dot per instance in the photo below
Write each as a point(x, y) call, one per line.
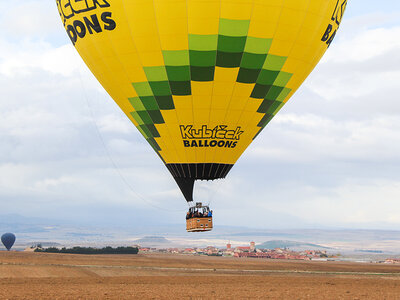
point(200, 79)
point(8, 240)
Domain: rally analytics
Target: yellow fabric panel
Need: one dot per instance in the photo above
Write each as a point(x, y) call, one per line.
point(203, 16)
point(202, 103)
point(236, 9)
point(202, 116)
point(172, 24)
point(226, 75)
point(202, 88)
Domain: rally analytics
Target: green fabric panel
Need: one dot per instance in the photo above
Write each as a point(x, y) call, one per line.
point(178, 73)
point(228, 60)
point(145, 117)
point(247, 75)
point(282, 96)
point(203, 42)
point(267, 77)
point(136, 103)
point(155, 73)
point(155, 145)
point(149, 102)
point(135, 115)
point(274, 107)
point(231, 44)
point(257, 45)
point(274, 62)
point(165, 102)
point(202, 58)
point(156, 116)
point(283, 79)
point(153, 130)
point(252, 61)
point(260, 91)
point(233, 27)
point(176, 58)
point(140, 128)
point(145, 131)
point(274, 92)
point(278, 108)
point(142, 88)
point(180, 88)
point(265, 120)
point(160, 88)
point(265, 105)
point(202, 73)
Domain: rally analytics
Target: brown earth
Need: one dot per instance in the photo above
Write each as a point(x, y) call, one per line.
point(164, 276)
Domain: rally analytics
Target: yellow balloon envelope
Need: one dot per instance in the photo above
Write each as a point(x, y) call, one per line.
point(200, 79)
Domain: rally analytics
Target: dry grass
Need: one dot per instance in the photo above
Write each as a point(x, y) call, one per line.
point(162, 276)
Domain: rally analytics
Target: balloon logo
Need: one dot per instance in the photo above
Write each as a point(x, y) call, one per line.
point(8, 240)
point(201, 79)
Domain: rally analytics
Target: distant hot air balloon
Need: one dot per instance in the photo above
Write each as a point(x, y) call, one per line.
point(200, 79)
point(8, 240)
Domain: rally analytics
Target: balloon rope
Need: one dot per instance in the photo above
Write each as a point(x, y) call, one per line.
point(127, 183)
point(216, 190)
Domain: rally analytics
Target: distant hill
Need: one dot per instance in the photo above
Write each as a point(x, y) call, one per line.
point(289, 244)
point(152, 240)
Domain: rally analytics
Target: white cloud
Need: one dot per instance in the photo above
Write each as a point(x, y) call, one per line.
point(24, 57)
point(364, 45)
point(29, 19)
point(359, 66)
point(354, 202)
point(316, 139)
point(112, 123)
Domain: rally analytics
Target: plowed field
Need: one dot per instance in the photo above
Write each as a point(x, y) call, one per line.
point(162, 276)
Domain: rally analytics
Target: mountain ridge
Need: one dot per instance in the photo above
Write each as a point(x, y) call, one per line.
point(290, 245)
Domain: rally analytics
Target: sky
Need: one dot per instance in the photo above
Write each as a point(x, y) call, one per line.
point(329, 159)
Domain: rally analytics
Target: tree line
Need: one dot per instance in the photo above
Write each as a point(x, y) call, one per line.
point(90, 250)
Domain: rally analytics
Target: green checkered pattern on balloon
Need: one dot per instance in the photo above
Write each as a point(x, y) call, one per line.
point(231, 48)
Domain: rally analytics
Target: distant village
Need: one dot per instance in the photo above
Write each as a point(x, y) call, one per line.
point(247, 251)
point(250, 251)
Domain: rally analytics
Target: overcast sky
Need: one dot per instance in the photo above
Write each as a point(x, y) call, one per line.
point(330, 158)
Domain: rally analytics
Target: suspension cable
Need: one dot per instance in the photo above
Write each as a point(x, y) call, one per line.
point(116, 168)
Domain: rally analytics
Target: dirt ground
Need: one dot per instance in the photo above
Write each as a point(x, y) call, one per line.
point(164, 276)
